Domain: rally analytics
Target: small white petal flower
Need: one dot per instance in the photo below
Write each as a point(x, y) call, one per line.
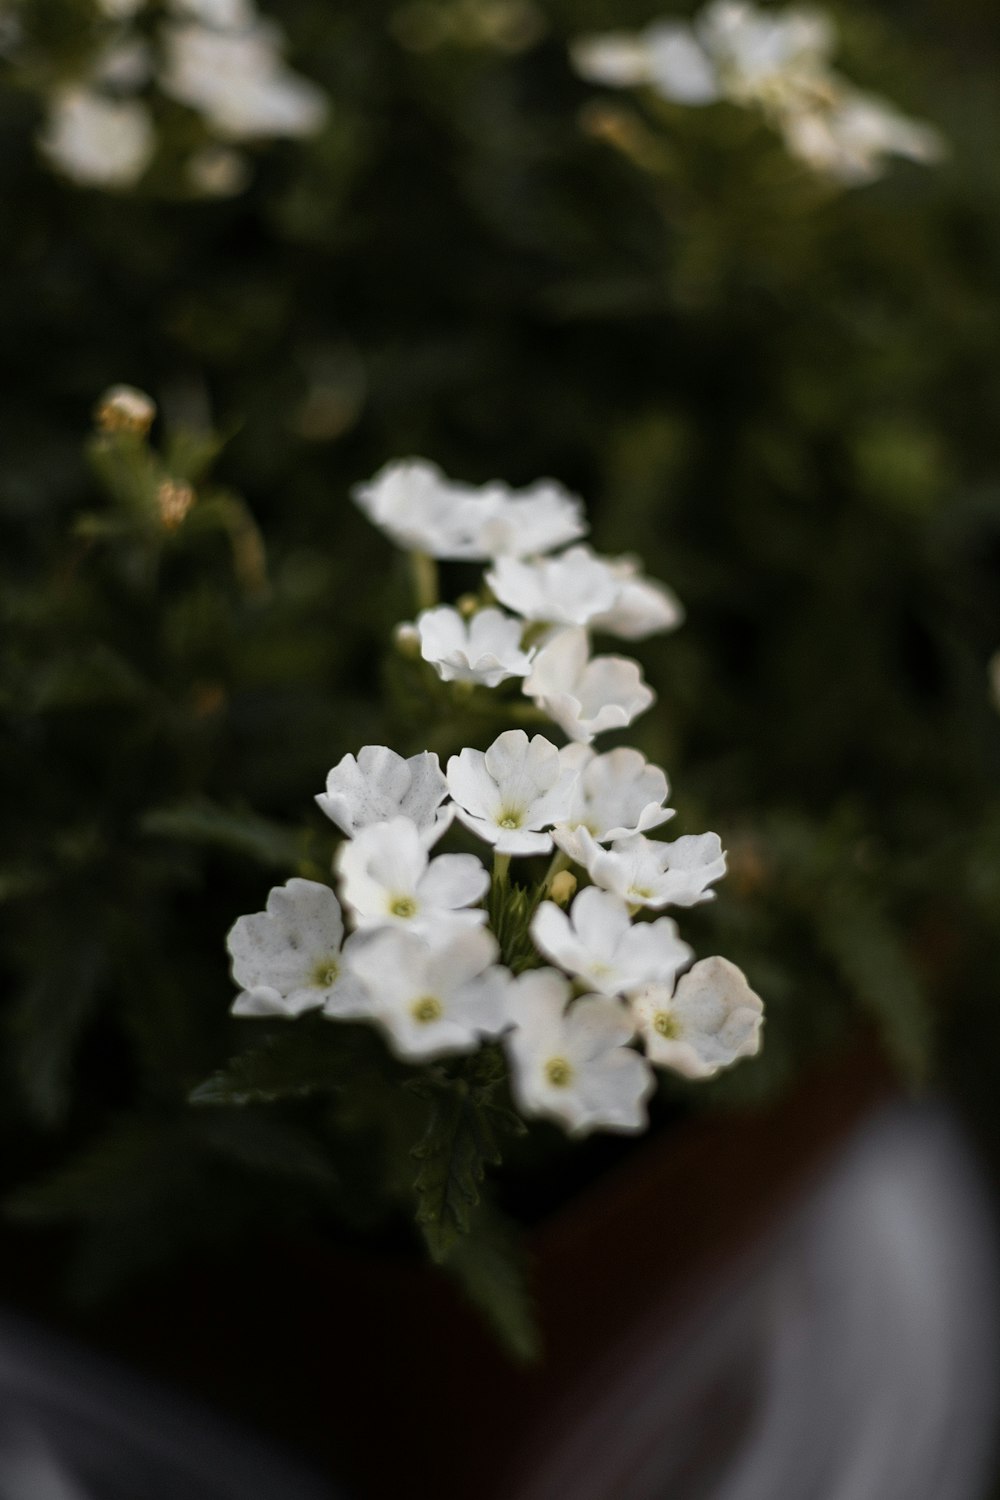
point(484, 649)
point(435, 995)
point(380, 785)
point(508, 795)
point(597, 943)
point(239, 82)
point(711, 1019)
point(570, 589)
point(580, 588)
point(387, 879)
point(645, 872)
point(667, 56)
point(528, 522)
point(617, 794)
point(586, 695)
point(574, 1066)
point(221, 15)
point(292, 957)
point(850, 138)
point(98, 142)
point(422, 510)
point(643, 607)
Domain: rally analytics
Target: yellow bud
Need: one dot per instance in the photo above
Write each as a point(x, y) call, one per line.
point(467, 605)
point(407, 639)
point(563, 888)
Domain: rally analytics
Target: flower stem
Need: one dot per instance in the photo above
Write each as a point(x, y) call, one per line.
point(501, 868)
point(425, 580)
point(559, 862)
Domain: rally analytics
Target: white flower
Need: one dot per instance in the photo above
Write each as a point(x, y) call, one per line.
point(484, 649)
point(566, 590)
point(666, 56)
point(645, 872)
point(423, 511)
point(222, 15)
point(579, 588)
point(643, 607)
point(292, 957)
point(418, 508)
point(712, 1018)
point(586, 696)
point(774, 61)
point(98, 142)
point(617, 794)
point(437, 995)
point(512, 792)
point(123, 65)
point(388, 880)
point(528, 522)
point(238, 82)
point(850, 139)
point(597, 943)
point(574, 1066)
point(380, 785)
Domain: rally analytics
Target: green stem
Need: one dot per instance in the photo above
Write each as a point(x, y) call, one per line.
point(501, 868)
point(425, 580)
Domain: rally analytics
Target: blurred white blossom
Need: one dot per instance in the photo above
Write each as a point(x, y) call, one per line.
point(774, 61)
point(646, 872)
point(239, 82)
point(98, 141)
point(574, 1065)
point(710, 1020)
point(388, 879)
point(597, 942)
point(434, 995)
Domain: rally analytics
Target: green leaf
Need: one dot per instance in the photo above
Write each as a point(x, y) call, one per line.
point(201, 821)
point(511, 909)
point(291, 1065)
point(489, 1264)
point(48, 1019)
point(462, 1138)
point(873, 962)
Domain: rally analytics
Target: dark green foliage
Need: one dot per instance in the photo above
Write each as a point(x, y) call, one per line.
point(464, 1135)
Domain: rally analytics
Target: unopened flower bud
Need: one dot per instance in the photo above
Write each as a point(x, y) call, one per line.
point(467, 605)
point(563, 888)
point(174, 500)
point(407, 639)
point(122, 408)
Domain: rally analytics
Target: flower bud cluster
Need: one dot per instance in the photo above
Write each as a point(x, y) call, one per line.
point(421, 959)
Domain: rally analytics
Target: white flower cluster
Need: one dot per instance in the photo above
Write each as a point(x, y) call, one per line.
point(421, 961)
point(218, 57)
point(774, 61)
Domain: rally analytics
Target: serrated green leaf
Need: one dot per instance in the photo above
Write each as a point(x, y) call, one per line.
point(489, 1264)
point(291, 1065)
point(204, 822)
point(461, 1140)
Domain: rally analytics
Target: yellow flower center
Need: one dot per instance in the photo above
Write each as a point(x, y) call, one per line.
point(428, 1008)
point(558, 1072)
point(325, 973)
point(510, 820)
point(664, 1023)
point(403, 906)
